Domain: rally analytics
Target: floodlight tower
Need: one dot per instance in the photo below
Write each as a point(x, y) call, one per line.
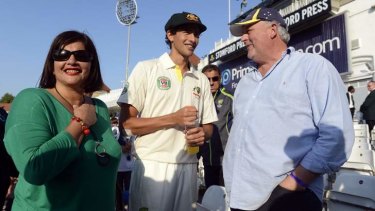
point(126, 12)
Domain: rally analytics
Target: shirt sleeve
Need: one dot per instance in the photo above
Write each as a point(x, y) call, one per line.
point(331, 116)
point(134, 92)
point(209, 112)
point(38, 153)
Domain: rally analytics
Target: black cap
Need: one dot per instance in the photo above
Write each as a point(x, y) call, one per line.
point(260, 14)
point(179, 19)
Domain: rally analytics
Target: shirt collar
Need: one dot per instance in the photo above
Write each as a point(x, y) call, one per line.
point(167, 62)
point(287, 52)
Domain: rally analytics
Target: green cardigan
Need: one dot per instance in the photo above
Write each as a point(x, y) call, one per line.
point(54, 173)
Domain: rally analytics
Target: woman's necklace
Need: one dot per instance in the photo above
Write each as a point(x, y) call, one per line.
point(66, 101)
point(102, 156)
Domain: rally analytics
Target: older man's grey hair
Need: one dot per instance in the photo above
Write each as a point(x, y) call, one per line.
point(284, 34)
point(282, 31)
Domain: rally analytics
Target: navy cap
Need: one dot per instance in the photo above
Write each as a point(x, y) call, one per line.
point(260, 14)
point(183, 18)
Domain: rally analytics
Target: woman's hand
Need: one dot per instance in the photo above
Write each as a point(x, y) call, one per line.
point(86, 112)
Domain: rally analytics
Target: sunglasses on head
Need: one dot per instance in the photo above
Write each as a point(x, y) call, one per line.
point(214, 79)
point(80, 55)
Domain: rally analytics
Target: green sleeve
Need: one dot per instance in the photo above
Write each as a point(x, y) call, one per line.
point(36, 139)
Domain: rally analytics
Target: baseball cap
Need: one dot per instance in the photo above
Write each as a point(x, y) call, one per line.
point(179, 19)
point(260, 14)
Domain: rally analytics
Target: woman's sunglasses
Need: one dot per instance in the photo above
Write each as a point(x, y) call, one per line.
point(80, 55)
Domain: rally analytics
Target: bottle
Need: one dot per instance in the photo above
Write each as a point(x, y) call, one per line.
point(190, 95)
point(194, 102)
point(191, 150)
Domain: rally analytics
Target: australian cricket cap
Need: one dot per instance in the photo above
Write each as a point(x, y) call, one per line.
point(183, 18)
point(260, 14)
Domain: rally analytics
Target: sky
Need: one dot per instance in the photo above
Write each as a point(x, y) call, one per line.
point(27, 28)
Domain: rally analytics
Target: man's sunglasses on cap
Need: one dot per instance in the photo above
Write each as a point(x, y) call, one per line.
point(214, 79)
point(80, 55)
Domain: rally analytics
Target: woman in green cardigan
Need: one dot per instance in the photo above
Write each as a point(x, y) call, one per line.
point(60, 138)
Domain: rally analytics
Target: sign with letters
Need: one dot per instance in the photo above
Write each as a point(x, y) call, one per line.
point(233, 71)
point(327, 39)
point(308, 13)
point(227, 51)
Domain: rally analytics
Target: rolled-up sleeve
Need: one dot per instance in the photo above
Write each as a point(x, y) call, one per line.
point(331, 117)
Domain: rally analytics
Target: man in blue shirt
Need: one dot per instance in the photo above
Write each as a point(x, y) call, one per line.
point(291, 122)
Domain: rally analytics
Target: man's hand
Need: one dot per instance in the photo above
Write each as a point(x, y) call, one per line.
point(304, 176)
point(290, 184)
point(186, 116)
point(194, 136)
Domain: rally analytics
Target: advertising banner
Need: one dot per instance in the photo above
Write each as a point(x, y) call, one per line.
point(308, 13)
point(327, 39)
point(232, 72)
point(227, 51)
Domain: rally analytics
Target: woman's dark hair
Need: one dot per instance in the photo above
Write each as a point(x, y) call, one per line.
point(94, 81)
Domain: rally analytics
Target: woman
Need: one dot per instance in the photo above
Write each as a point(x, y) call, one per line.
point(59, 138)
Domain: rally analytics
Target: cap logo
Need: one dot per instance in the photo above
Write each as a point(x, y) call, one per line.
point(192, 17)
point(253, 19)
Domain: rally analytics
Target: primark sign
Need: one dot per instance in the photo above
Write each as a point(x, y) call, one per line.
point(233, 71)
point(308, 13)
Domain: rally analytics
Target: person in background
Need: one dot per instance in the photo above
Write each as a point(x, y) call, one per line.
point(349, 95)
point(368, 106)
point(168, 105)
point(8, 172)
point(115, 128)
point(125, 167)
point(60, 139)
point(212, 150)
point(291, 122)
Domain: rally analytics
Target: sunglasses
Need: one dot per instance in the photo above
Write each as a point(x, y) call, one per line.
point(80, 55)
point(214, 79)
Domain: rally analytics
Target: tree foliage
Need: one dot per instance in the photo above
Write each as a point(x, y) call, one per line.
point(7, 98)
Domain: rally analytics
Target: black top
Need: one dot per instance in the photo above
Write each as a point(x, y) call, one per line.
point(213, 150)
point(368, 107)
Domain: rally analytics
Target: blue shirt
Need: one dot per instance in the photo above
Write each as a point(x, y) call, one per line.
point(296, 114)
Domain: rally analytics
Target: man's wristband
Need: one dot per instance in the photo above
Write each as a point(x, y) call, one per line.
point(298, 180)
